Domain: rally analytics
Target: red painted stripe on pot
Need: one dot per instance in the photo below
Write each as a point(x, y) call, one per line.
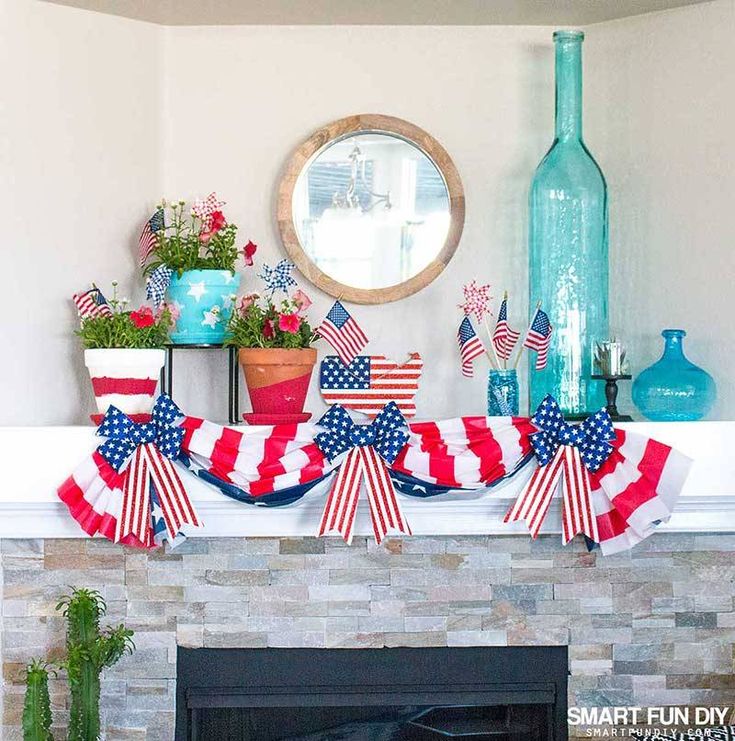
point(286, 397)
point(104, 385)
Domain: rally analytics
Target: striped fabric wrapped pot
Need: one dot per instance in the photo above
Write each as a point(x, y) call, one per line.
point(278, 381)
point(204, 299)
point(124, 377)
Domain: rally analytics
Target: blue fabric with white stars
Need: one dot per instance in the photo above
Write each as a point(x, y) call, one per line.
point(334, 374)
point(124, 436)
point(387, 433)
point(592, 437)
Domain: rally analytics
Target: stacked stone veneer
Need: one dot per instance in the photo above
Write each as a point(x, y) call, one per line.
point(655, 626)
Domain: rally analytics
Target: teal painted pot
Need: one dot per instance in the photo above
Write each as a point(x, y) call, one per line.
point(204, 299)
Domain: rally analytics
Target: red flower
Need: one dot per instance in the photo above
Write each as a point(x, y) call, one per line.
point(269, 330)
point(248, 251)
point(143, 317)
point(289, 323)
point(217, 221)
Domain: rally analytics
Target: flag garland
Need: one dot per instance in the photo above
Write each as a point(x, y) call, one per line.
point(616, 485)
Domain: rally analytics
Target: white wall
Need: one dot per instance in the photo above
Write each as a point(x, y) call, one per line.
point(79, 161)
point(661, 118)
point(235, 101)
point(240, 99)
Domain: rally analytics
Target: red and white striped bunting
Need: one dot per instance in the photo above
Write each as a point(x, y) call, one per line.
point(363, 464)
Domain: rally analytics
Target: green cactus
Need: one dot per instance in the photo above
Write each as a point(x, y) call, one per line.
point(88, 652)
point(37, 705)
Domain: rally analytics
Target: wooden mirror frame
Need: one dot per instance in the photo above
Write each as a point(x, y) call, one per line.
point(369, 123)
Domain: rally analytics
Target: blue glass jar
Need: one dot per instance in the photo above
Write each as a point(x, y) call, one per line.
point(673, 388)
point(502, 393)
point(568, 250)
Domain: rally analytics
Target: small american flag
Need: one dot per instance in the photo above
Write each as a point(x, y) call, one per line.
point(538, 338)
point(149, 236)
point(504, 338)
point(369, 382)
point(91, 304)
point(343, 333)
point(470, 346)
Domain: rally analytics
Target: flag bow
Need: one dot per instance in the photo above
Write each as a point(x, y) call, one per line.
point(369, 448)
point(566, 452)
point(150, 448)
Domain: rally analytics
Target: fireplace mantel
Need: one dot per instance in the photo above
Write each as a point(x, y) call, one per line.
point(37, 459)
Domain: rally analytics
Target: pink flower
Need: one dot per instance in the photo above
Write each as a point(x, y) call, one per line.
point(173, 310)
point(269, 330)
point(143, 317)
point(204, 237)
point(302, 301)
point(248, 251)
point(246, 302)
point(289, 323)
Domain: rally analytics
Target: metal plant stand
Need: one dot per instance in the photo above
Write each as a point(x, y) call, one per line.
point(167, 376)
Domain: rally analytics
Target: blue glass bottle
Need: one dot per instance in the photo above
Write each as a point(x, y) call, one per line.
point(568, 262)
point(673, 388)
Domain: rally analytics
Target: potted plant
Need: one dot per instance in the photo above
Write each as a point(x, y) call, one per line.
point(274, 340)
point(123, 351)
point(190, 256)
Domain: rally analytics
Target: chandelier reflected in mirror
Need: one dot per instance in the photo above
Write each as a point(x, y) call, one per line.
point(349, 198)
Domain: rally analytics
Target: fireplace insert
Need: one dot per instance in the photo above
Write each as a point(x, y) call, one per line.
point(398, 694)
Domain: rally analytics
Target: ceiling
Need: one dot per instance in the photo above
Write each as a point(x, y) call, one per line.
point(376, 12)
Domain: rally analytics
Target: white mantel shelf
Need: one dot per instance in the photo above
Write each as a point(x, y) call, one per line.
point(35, 460)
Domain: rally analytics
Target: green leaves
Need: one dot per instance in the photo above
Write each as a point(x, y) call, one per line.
point(118, 330)
point(185, 246)
point(258, 326)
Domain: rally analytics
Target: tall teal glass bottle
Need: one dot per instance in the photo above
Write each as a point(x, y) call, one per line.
point(568, 264)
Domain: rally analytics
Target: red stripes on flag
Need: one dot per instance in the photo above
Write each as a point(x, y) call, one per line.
point(534, 501)
point(348, 340)
point(363, 464)
point(91, 304)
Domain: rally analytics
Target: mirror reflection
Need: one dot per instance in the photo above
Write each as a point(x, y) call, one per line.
point(371, 210)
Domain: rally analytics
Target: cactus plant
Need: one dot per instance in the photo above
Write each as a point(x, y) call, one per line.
point(37, 705)
point(88, 651)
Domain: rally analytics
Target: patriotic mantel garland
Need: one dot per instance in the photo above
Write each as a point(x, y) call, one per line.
point(616, 485)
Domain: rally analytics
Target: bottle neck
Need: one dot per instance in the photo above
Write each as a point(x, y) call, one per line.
point(569, 88)
point(673, 343)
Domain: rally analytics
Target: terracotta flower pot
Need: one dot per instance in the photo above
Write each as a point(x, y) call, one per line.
point(277, 381)
point(125, 377)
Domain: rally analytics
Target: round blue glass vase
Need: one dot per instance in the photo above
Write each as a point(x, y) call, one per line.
point(568, 246)
point(673, 389)
point(502, 393)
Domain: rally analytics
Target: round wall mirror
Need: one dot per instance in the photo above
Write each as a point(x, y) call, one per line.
point(371, 209)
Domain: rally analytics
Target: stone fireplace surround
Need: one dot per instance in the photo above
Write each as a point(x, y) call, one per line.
point(654, 626)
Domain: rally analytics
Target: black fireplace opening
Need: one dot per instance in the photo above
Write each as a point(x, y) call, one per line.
point(391, 694)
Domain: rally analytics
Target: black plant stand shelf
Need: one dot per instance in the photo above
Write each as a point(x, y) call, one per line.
point(167, 375)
